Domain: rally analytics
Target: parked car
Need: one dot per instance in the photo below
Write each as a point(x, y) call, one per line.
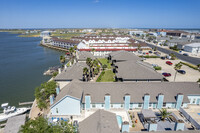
point(185, 54)
point(140, 52)
point(154, 65)
point(166, 74)
point(150, 52)
point(169, 63)
point(181, 71)
point(163, 58)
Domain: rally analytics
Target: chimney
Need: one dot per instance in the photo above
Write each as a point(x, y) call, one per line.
point(160, 100)
point(146, 101)
point(59, 70)
point(51, 99)
point(179, 125)
point(125, 127)
point(152, 126)
point(107, 101)
point(127, 101)
point(57, 90)
point(179, 100)
point(87, 101)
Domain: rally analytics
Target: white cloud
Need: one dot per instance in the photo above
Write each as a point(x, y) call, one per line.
point(96, 1)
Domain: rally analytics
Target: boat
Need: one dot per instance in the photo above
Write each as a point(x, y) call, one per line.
point(9, 111)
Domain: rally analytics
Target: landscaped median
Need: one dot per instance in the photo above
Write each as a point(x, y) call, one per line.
point(190, 65)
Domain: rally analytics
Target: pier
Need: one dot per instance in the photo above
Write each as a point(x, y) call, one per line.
point(25, 103)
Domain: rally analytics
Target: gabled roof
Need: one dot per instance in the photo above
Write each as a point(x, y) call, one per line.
point(83, 55)
point(124, 56)
point(131, 70)
point(118, 90)
point(73, 72)
point(100, 122)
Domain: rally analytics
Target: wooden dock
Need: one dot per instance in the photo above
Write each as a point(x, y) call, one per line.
point(26, 103)
point(54, 47)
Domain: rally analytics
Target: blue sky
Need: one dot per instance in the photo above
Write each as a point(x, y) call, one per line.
point(99, 13)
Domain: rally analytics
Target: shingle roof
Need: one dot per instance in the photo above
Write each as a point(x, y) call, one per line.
point(131, 70)
point(83, 55)
point(14, 123)
point(100, 122)
point(73, 72)
point(117, 91)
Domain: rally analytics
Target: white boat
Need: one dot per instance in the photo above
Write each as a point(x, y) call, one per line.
point(11, 111)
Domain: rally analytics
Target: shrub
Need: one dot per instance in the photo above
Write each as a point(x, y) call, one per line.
point(133, 125)
point(147, 56)
point(198, 80)
point(55, 74)
point(158, 68)
point(190, 65)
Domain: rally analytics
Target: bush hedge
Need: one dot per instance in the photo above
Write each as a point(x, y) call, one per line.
point(147, 56)
point(190, 65)
point(158, 68)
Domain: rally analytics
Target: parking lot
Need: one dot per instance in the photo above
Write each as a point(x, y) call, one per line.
point(190, 76)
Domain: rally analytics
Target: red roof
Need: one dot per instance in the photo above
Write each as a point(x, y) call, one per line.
point(108, 49)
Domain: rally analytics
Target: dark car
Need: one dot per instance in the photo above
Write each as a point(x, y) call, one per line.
point(163, 58)
point(166, 74)
point(150, 52)
point(169, 63)
point(185, 54)
point(181, 71)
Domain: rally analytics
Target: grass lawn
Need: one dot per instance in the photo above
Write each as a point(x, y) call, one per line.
point(106, 76)
point(105, 61)
point(65, 35)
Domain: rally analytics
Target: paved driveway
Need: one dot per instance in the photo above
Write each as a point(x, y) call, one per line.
point(190, 76)
point(189, 59)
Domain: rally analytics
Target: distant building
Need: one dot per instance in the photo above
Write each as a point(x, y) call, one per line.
point(192, 48)
point(174, 33)
point(45, 34)
point(63, 43)
point(103, 45)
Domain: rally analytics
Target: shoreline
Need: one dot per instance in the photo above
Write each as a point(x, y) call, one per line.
point(53, 47)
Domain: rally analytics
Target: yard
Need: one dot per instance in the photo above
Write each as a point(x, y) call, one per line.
point(104, 61)
point(106, 76)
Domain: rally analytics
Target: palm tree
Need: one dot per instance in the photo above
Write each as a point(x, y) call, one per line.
point(93, 50)
point(164, 114)
point(139, 47)
point(177, 67)
point(89, 62)
point(62, 59)
point(85, 73)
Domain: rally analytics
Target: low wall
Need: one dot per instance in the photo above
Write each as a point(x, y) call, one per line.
point(189, 118)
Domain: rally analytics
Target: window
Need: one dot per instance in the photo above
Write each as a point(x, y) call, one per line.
point(56, 110)
point(111, 105)
point(102, 105)
point(139, 105)
point(164, 104)
point(93, 106)
point(122, 105)
point(150, 105)
point(194, 101)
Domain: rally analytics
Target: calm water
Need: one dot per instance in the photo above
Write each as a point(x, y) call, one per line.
point(22, 63)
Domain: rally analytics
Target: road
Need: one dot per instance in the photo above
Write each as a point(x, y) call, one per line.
point(192, 60)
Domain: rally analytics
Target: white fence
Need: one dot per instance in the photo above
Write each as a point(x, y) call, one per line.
point(189, 118)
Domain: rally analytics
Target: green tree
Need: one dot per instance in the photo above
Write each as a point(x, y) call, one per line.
point(177, 67)
point(139, 47)
point(43, 92)
point(89, 63)
point(173, 56)
point(41, 125)
point(85, 73)
point(164, 114)
point(93, 50)
point(62, 59)
point(198, 80)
